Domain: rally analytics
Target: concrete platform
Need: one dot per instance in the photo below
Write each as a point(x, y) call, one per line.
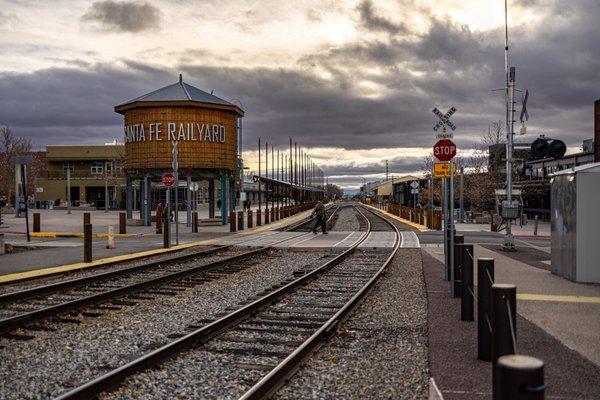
point(568, 311)
point(46, 256)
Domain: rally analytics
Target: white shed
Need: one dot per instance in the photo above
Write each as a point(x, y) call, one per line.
point(575, 223)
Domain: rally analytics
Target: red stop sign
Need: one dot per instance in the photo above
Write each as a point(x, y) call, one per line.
point(444, 150)
point(168, 179)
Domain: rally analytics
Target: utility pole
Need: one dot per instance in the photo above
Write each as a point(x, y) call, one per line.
point(386, 170)
point(510, 110)
point(68, 190)
point(462, 194)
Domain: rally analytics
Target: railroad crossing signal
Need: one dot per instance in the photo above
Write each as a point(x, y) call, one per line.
point(444, 119)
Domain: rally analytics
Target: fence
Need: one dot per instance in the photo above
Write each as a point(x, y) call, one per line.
point(430, 218)
point(514, 376)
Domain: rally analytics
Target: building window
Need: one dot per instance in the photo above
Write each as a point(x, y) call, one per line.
point(109, 168)
point(68, 166)
point(97, 167)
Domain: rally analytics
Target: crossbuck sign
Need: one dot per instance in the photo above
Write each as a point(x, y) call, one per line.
point(444, 122)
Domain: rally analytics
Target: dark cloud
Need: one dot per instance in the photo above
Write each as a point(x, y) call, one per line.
point(375, 93)
point(372, 21)
point(124, 16)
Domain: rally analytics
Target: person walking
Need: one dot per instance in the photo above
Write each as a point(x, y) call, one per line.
point(319, 212)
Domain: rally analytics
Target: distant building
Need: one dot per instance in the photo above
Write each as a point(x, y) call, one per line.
point(92, 168)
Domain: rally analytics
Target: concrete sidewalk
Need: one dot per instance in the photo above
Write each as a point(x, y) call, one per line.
point(518, 231)
point(51, 253)
point(453, 359)
point(568, 311)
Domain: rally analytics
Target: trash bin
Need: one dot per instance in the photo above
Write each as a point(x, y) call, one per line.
point(575, 223)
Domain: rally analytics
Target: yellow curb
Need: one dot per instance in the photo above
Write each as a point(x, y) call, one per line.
point(419, 227)
point(77, 234)
point(97, 263)
point(557, 298)
point(38, 273)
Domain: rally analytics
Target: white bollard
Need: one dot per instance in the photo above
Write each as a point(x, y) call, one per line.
point(111, 238)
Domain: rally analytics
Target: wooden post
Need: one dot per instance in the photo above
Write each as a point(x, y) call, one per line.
point(86, 218)
point(36, 222)
point(240, 222)
point(194, 221)
point(250, 221)
point(232, 222)
point(87, 242)
point(123, 223)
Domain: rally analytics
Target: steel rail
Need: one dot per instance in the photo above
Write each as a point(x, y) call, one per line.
point(11, 323)
point(87, 280)
point(277, 377)
point(113, 378)
point(8, 324)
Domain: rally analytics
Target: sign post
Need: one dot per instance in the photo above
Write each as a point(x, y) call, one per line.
point(20, 162)
point(168, 179)
point(175, 165)
point(445, 150)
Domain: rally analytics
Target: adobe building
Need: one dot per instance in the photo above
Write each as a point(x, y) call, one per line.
point(205, 131)
point(94, 170)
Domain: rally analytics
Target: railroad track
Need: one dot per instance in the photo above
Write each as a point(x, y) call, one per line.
point(26, 308)
point(331, 214)
point(261, 344)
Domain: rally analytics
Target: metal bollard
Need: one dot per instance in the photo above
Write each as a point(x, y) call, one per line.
point(123, 223)
point(36, 222)
point(520, 377)
point(87, 242)
point(86, 218)
point(467, 294)
point(504, 326)
point(2, 251)
point(535, 226)
point(194, 221)
point(272, 214)
point(266, 216)
point(232, 222)
point(459, 241)
point(240, 221)
point(250, 221)
point(485, 280)
point(258, 218)
point(166, 230)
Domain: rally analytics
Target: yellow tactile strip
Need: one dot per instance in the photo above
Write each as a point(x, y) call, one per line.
point(558, 298)
point(78, 234)
point(419, 227)
point(38, 273)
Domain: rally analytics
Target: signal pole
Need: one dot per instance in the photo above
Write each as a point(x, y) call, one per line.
point(509, 243)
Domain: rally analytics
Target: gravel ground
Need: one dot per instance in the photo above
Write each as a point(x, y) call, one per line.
point(381, 350)
point(217, 370)
point(53, 362)
point(347, 220)
point(9, 288)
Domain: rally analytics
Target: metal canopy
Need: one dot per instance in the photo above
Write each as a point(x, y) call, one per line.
point(270, 181)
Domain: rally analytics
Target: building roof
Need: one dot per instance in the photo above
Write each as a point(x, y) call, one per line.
point(593, 167)
point(178, 92)
point(84, 152)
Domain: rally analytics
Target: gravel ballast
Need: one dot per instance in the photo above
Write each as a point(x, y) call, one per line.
point(74, 353)
point(380, 352)
point(347, 220)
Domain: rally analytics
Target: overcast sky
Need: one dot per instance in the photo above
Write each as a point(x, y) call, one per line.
point(354, 82)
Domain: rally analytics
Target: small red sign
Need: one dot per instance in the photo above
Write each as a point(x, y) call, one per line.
point(168, 179)
point(444, 150)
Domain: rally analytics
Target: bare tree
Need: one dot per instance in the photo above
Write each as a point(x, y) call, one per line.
point(10, 145)
point(494, 135)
